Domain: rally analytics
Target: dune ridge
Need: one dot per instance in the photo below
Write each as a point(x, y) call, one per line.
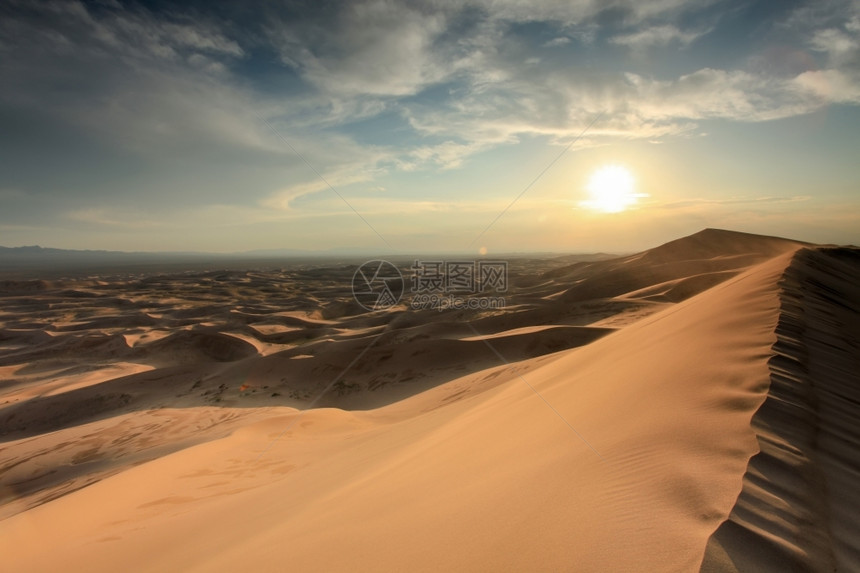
point(798, 507)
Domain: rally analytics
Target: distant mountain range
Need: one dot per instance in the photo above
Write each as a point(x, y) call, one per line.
point(35, 251)
point(44, 261)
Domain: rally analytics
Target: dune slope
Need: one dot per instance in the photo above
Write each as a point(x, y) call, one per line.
point(674, 271)
point(799, 504)
point(628, 459)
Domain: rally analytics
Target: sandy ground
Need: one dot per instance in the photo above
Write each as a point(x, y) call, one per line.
point(689, 407)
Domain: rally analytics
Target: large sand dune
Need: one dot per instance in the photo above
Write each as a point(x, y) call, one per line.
point(799, 509)
point(690, 407)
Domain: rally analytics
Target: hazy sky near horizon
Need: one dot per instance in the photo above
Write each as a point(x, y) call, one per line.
point(221, 127)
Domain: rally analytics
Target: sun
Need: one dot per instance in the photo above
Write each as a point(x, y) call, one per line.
point(611, 189)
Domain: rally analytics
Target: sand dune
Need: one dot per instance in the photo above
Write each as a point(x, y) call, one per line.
point(51, 465)
point(698, 262)
point(799, 507)
point(689, 407)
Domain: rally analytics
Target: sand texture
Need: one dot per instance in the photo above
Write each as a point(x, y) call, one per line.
point(692, 407)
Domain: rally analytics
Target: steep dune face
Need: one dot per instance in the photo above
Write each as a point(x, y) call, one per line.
point(799, 507)
point(622, 455)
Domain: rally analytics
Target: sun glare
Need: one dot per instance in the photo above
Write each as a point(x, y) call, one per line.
point(610, 190)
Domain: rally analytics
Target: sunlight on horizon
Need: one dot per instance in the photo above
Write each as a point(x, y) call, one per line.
point(611, 190)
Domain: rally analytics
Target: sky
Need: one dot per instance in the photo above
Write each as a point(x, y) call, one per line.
point(425, 126)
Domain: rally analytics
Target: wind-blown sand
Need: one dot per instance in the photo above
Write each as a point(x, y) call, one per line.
point(624, 435)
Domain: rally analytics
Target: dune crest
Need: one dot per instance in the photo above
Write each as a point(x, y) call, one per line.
point(799, 504)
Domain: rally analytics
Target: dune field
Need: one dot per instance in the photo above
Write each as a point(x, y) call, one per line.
point(693, 407)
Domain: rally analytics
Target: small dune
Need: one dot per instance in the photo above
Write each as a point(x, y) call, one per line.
point(191, 346)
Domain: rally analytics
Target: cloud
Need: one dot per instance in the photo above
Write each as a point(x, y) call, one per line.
point(387, 52)
point(376, 48)
point(498, 95)
point(285, 199)
point(836, 43)
point(63, 27)
point(694, 202)
point(447, 155)
point(831, 28)
point(632, 106)
point(184, 98)
point(658, 36)
point(166, 81)
point(717, 94)
point(830, 86)
point(556, 42)
point(128, 75)
point(573, 12)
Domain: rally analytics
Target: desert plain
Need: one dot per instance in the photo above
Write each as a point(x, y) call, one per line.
point(692, 407)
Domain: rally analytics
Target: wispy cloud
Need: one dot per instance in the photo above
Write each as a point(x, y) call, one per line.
point(557, 42)
point(695, 202)
point(370, 48)
point(658, 36)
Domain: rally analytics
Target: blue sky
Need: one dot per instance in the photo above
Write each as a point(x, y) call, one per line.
point(165, 126)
